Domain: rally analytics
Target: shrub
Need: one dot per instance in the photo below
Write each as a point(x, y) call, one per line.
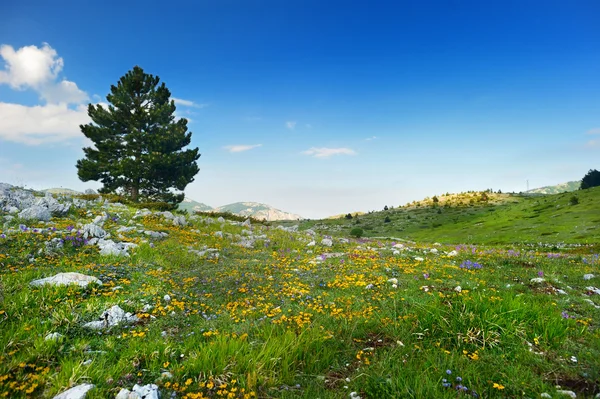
point(574, 200)
point(435, 199)
point(349, 216)
point(387, 219)
point(357, 232)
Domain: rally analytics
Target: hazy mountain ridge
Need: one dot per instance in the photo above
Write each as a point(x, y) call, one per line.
point(557, 189)
point(258, 211)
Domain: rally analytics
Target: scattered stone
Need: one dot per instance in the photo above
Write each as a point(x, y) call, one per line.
point(35, 213)
point(167, 298)
point(220, 219)
point(326, 242)
point(92, 230)
point(419, 259)
point(452, 253)
point(81, 280)
point(54, 246)
point(369, 286)
point(593, 290)
point(112, 317)
point(563, 392)
point(87, 362)
point(546, 395)
point(458, 289)
point(219, 234)
point(77, 392)
point(179, 221)
point(344, 240)
point(109, 247)
point(168, 215)
point(588, 276)
point(149, 391)
point(53, 336)
point(246, 223)
point(537, 280)
point(434, 250)
point(393, 281)
point(155, 234)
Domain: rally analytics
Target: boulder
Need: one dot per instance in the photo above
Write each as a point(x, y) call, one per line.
point(110, 318)
point(92, 230)
point(326, 242)
point(179, 221)
point(109, 247)
point(35, 212)
point(77, 392)
point(53, 336)
point(149, 391)
point(81, 280)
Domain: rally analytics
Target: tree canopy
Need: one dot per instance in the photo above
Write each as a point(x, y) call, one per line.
point(138, 143)
point(591, 179)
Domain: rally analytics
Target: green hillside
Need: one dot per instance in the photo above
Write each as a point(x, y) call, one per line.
point(503, 219)
point(193, 206)
point(558, 188)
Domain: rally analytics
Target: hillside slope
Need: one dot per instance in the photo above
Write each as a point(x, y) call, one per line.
point(557, 189)
point(257, 211)
point(505, 218)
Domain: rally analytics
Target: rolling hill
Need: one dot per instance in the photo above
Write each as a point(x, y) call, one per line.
point(257, 211)
point(464, 218)
point(557, 189)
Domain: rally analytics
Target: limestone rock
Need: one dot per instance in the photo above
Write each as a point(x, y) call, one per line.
point(326, 242)
point(81, 280)
point(35, 212)
point(112, 317)
point(77, 392)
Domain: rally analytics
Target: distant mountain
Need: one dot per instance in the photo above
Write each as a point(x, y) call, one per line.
point(557, 189)
point(257, 211)
point(191, 206)
point(64, 191)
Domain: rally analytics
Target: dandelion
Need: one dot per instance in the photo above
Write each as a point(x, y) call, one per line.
point(498, 386)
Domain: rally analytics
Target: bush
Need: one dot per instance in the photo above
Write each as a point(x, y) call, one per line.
point(154, 206)
point(387, 219)
point(574, 200)
point(349, 216)
point(357, 232)
point(435, 199)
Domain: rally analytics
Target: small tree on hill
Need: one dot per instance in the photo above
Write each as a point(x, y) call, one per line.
point(591, 179)
point(348, 216)
point(138, 144)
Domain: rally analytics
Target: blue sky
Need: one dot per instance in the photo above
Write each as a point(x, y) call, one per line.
point(332, 106)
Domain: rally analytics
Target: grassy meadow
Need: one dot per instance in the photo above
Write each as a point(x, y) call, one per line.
point(466, 218)
point(368, 317)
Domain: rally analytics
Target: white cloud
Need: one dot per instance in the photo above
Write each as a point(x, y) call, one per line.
point(37, 68)
point(187, 103)
point(290, 125)
point(371, 138)
point(328, 152)
point(594, 131)
point(41, 123)
point(593, 144)
point(241, 148)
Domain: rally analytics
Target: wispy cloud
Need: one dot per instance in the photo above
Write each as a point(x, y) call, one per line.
point(593, 144)
point(324, 152)
point(371, 138)
point(594, 131)
point(187, 103)
point(290, 125)
point(241, 148)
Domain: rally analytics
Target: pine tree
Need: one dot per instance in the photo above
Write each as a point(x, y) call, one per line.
point(591, 179)
point(138, 144)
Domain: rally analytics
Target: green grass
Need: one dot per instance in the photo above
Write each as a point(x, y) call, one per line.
point(278, 322)
point(507, 219)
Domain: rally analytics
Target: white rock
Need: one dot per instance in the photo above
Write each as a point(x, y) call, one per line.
point(570, 394)
point(458, 288)
point(149, 391)
point(537, 280)
point(112, 317)
point(92, 230)
point(179, 221)
point(546, 395)
point(167, 298)
point(81, 280)
point(36, 212)
point(393, 281)
point(398, 246)
point(219, 234)
point(434, 250)
point(246, 223)
point(221, 219)
point(344, 240)
point(77, 392)
point(53, 336)
point(452, 253)
point(109, 247)
point(127, 394)
point(419, 259)
point(594, 290)
point(311, 244)
point(396, 252)
point(588, 276)
point(369, 286)
point(326, 242)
